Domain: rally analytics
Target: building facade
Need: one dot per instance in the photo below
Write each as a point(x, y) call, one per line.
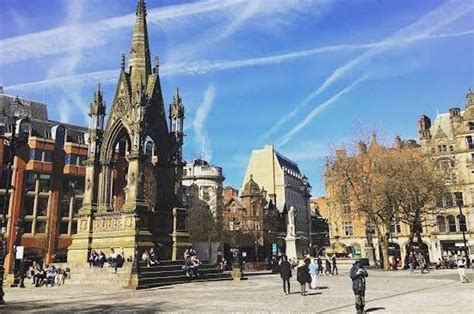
point(47, 182)
point(352, 234)
point(209, 182)
point(319, 225)
point(284, 182)
point(250, 220)
point(450, 141)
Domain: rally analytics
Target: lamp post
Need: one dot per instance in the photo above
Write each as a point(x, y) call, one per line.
point(20, 129)
point(462, 226)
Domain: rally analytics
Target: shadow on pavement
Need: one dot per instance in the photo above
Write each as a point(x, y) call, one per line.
point(81, 307)
point(373, 309)
point(314, 293)
point(322, 288)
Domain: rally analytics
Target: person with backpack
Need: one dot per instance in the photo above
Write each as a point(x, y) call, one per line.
point(358, 275)
point(303, 275)
point(285, 274)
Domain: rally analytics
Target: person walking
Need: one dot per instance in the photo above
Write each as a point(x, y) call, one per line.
point(285, 274)
point(313, 271)
point(327, 269)
point(320, 265)
point(335, 271)
point(422, 262)
point(303, 275)
point(411, 263)
point(22, 273)
point(462, 271)
point(358, 275)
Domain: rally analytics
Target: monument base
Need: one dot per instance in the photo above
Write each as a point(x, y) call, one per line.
point(111, 230)
point(291, 247)
point(370, 255)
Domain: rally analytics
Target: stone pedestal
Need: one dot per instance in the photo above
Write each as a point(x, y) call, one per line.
point(111, 230)
point(236, 273)
point(291, 247)
point(369, 254)
point(180, 233)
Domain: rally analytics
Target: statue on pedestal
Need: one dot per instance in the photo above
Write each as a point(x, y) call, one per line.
point(291, 235)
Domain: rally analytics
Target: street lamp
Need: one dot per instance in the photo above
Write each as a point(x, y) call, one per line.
point(462, 226)
point(20, 131)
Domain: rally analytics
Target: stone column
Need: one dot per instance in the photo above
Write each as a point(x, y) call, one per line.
point(180, 233)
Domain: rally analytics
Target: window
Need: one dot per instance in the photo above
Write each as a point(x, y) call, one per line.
point(452, 223)
point(44, 183)
point(48, 156)
point(36, 202)
point(347, 228)
point(36, 154)
point(41, 155)
point(395, 226)
point(451, 148)
point(462, 223)
point(346, 208)
point(459, 199)
point(441, 222)
point(448, 200)
point(70, 203)
point(469, 142)
point(471, 126)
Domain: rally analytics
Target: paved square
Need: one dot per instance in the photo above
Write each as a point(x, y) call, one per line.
point(388, 292)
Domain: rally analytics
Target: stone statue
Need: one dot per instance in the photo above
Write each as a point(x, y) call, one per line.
point(291, 221)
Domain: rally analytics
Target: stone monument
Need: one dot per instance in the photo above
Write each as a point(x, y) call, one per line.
point(134, 166)
point(291, 235)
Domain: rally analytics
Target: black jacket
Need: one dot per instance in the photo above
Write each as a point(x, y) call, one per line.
point(303, 275)
point(358, 275)
point(285, 270)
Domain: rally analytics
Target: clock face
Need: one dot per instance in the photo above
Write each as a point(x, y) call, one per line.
point(121, 106)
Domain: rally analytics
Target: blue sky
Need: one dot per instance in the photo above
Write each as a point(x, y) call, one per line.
point(305, 75)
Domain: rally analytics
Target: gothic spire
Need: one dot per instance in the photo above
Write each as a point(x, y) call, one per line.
point(140, 65)
point(97, 106)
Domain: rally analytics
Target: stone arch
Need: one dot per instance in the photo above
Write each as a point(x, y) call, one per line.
point(113, 182)
point(118, 131)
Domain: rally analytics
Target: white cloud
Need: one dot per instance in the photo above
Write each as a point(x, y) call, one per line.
point(316, 111)
point(422, 29)
point(58, 40)
point(441, 16)
point(206, 66)
point(67, 65)
point(201, 139)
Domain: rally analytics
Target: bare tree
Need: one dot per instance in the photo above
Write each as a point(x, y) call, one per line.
point(421, 183)
point(374, 182)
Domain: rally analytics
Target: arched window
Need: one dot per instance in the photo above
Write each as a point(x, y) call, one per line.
point(441, 222)
point(452, 223)
point(148, 149)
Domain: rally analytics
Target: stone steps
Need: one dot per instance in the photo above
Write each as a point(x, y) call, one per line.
point(166, 273)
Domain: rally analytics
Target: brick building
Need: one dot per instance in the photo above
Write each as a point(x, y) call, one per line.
point(47, 181)
point(250, 219)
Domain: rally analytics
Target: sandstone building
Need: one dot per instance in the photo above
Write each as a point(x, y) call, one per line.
point(284, 182)
point(449, 139)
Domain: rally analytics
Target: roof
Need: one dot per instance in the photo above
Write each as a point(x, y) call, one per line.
point(285, 162)
point(38, 115)
point(25, 107)
point(443, 124)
